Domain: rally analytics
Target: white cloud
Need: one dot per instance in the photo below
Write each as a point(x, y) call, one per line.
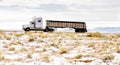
point(78, 10)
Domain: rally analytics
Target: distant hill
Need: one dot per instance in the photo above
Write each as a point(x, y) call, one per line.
point(106, 29)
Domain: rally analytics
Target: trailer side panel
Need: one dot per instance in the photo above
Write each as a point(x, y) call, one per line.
point(65, 24)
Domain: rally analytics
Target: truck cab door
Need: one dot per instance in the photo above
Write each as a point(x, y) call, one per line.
point(38, 23)
point(32, 25)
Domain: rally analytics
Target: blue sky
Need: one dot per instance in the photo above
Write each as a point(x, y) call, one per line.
point(96, 13)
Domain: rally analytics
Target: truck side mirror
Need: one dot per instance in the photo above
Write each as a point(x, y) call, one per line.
point(32, 22)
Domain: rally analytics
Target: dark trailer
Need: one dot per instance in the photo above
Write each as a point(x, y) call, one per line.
point(78, 26)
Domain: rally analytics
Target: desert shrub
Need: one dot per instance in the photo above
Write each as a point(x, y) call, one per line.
point(91, 44)
point(11, 49)
point(27, 32)
point(75, 45)
point(18, 35)
point(118, 50)
point(85, 61)
point(31, 39)
point(0, 36)
point(1, 30)
point(96, 34)
point(62, 50)
point(6, 46)
point(23, 49)
point(32, 48)
point(29, 55)
point(46, 58)
point(107, 57)
point(16, 42)
point(18, 59)
point(54, 44)
point(2, 57)
point(78, 56)
point(8, 37)
point(118, 35)
point(44, 49)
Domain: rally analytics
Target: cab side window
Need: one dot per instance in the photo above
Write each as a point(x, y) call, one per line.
point(39, 20)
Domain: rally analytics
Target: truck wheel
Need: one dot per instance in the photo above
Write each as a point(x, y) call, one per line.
point(51, 30)
point(78, 30)
point(27, 29)
point(46, 30)
point(85, 30)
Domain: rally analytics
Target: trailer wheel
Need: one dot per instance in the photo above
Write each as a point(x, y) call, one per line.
point(78, 30)
point(51, 30)
point(85, 30)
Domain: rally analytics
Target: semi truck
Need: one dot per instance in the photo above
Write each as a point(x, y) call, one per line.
point(50, 25)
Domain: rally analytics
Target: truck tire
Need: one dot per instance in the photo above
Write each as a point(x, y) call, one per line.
point(85, 30)
point(79, 30)
point(48, 30)
point(51, 30)
point(76, 30)
point(45, 30)
point(27, 29)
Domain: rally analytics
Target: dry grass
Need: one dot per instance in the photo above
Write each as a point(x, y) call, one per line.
point(76, 45)
point(18, 59)
point(86, 61)
point(118, 49)
point(29, 55)
point(11, 49)
point(44, 49)
point(32, 48)
point(23, 49)
point(0, 36)
point(53, 44)
point(96, 34)
point(16, 42)
point(5, 45)
point(95, 45)
point(62, 50)
point(46, 58)
point(8, 37)
point(91, 44)
point(2, 57)
point(108, 57)
point(78, 56)
point(31, 39)
point(18, 35)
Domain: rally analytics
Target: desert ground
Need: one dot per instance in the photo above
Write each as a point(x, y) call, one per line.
point(59, 48)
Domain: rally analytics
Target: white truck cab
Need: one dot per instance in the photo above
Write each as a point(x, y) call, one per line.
point(35, 24)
